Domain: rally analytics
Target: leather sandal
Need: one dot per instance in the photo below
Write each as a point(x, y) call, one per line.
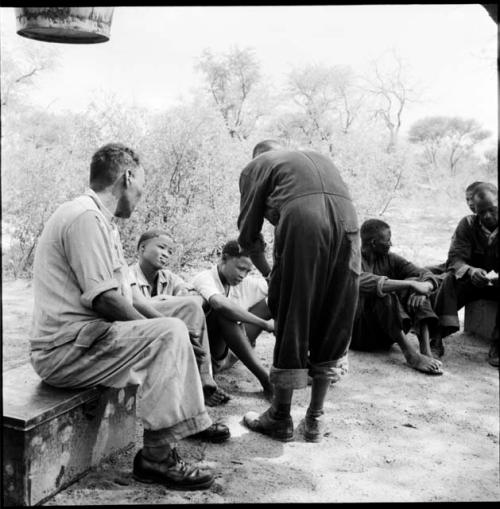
point(215, 433)
point(173, 473)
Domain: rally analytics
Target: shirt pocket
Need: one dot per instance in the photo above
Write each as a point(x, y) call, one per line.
point(92, 332)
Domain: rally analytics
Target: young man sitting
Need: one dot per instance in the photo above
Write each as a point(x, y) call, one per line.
point(472, 257)
point(172, 296)
point(237, 311)
point(393, 298)
point(440, 269)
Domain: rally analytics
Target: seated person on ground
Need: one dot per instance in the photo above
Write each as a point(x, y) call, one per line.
point(393, 298)
point(237, 311)
point(440, 269)
point(473, 269)
point(172, 296)
point(87, 331)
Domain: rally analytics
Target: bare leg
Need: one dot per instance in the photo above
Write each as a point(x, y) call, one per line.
point(262, 311)
point(423, 339)
point(415, 359)
point(235, 337)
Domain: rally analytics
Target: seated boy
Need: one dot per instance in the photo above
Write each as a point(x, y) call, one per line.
point(472, 265)
point(393, 298)
point(172, 296)
point(237, 311)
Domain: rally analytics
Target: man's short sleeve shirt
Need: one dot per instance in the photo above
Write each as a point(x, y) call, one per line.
point(79, 256)
point(250, 291)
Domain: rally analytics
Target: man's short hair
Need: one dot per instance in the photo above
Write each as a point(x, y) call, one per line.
point(472, 186)
point(265, 146)
point(483, 187)
point(483, 192)
point(152, 234)
point(108, 163)
point(371, 228)
point(232, 249)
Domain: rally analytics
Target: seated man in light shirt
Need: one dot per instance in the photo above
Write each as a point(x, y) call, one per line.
point(237, 311)
point(169, 294)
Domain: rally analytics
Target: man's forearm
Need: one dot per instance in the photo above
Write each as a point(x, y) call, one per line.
point(234, 312)
point(259, 260)
point(114, 307)
point(394, 285)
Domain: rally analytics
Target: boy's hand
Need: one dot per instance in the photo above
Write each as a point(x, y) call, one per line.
point(478, 277)
point(422, 287)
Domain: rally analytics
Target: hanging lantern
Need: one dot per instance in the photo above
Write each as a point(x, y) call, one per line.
point(73, 25)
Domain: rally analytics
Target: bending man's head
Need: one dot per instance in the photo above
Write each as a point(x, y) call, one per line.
point(265, 146)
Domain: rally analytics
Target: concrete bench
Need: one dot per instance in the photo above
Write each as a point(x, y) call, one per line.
point(52, 437)
point(479, 318)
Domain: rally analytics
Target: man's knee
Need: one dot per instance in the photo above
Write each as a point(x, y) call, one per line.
point(168, 326)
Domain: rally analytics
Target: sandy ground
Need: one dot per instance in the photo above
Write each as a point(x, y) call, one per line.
point(394, 435)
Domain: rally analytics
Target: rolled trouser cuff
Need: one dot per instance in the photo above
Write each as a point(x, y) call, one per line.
point(330, 370)
point(288, 378)
point(165, 436)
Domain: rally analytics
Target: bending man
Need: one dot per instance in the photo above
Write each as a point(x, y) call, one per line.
point(313, 284)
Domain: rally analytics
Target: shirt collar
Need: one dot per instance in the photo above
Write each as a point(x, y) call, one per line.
point(142, 280)
point(105, 211)
point(491, 236)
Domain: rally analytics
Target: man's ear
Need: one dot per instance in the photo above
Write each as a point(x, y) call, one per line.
point(127, 177)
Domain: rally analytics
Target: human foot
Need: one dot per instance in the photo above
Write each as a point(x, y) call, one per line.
point(279, 429)
point(425, 364)
point(217, 397)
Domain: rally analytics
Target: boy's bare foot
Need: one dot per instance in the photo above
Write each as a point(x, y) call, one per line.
point(425, 364)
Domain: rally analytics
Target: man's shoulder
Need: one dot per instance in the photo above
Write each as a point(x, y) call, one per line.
point(72, 209)
point(254, 281)
point(467, 222)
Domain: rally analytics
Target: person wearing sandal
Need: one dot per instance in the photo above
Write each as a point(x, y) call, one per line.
point(87, 332)
point(155, 286)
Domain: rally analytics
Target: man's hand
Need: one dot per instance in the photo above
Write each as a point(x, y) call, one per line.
point(422, 287)
point(269, 325)
point(415, 301)
point(478, 277)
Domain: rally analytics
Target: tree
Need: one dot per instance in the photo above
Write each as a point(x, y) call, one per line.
point(391, 92)
point(325, 101)
point(449, 139)
point(22, 63)
point(232, 81)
